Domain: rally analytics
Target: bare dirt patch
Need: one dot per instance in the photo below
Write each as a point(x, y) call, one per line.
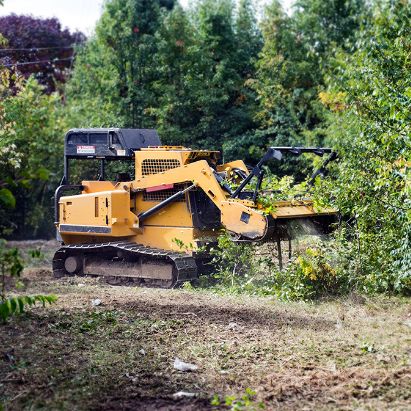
point(347, 354)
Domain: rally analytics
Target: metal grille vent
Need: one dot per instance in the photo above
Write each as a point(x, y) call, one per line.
point(164, 194)
point(154, 166)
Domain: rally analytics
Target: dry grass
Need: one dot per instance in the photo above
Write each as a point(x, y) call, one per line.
point(346, 354)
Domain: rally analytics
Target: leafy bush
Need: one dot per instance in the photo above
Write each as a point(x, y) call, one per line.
point(315, 272)
point(309, 276)
point(11, 267)
point(327, 268)
point(233, 262)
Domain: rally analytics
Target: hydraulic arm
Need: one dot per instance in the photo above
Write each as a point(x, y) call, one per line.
point(236, 215)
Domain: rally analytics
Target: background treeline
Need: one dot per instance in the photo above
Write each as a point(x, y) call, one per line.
point(222, 76)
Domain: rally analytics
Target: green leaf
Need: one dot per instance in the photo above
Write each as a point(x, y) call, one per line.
point(4, 311)
point(21, 304)
point(7, 198)
point(14, 305)
point(215, 401)
point(43, 174)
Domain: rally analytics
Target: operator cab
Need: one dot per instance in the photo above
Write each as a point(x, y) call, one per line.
point(105, 144)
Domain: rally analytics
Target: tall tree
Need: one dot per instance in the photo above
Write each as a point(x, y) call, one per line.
point(327, 24)
point(31, 146)
point(180, 63)
point(249, 40)
point(127, 29)
point(121, 55)
point(39, 47)
point(226, 112)
point(290, 67)
point(282, 74)
point(201, 68)
point(217, 39)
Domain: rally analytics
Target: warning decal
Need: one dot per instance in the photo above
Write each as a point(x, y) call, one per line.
point(86, 150)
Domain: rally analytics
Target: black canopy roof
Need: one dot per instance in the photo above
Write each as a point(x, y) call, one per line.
point(108, 143)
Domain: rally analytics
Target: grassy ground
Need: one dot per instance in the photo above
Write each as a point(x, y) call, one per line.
point(346, 354)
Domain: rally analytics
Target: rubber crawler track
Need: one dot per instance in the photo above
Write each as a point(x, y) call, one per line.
point(185, 267)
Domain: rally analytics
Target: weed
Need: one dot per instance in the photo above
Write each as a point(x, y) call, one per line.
point(97, 319)
point(233, 262)
point(187, 286)
point(367, 347)
point(244, 402)
point(36, 253)
point(181, 245)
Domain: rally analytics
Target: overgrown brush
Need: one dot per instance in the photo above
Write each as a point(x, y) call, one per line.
point(369, 98)
point(326, 268)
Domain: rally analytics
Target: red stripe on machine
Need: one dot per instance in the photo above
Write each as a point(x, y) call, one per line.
point(159, 188)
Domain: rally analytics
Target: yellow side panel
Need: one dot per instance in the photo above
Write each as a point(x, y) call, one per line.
point(164, 237)
point(98, 214)
point(83, 210)
point(176, 214)
point(121, 218)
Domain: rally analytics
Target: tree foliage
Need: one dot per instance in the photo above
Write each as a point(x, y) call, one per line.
point(183, 72)
point(118, 62)
point(41, 41)
point(291, 65)
point(370, 100)
point(30, 155)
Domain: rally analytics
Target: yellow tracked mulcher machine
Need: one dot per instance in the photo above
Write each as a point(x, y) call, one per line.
point(132, 230)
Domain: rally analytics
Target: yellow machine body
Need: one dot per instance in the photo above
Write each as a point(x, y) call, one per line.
point(106, 210)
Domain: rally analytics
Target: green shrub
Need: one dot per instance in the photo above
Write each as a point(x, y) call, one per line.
point(310, 276)
point(11, 267)
point(369, 125)
point(314, 272)
point(234, 262)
